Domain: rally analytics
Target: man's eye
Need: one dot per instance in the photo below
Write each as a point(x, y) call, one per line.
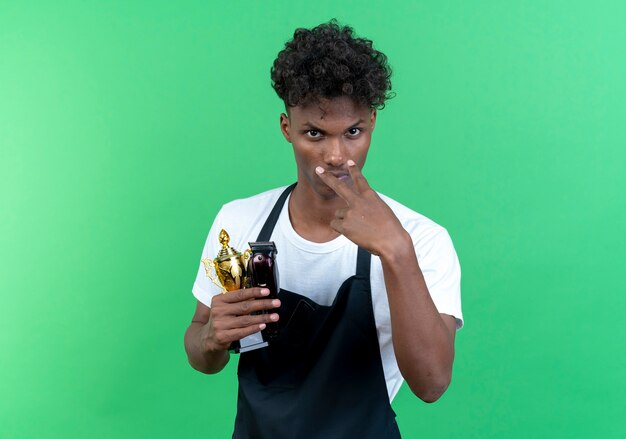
point(354, 131)
point(313, 133)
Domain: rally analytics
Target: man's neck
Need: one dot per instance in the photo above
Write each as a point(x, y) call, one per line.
point(311, 215)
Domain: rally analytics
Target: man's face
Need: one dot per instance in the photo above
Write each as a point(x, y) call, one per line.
point(328, 134)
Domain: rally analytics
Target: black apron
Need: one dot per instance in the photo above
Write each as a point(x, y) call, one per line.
point(323, 376)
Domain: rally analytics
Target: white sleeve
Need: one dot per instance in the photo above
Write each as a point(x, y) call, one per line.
point(442, 273)
point(203, 288)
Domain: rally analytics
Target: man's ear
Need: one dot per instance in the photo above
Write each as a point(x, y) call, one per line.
point(373, 118)
point(285, 127)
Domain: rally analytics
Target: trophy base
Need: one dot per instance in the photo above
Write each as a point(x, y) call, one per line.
point(249, 343)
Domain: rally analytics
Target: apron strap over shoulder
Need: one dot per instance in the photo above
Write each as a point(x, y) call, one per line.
point(268, 227)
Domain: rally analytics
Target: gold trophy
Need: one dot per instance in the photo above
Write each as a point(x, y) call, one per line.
point(254, 267)
point(229, 266)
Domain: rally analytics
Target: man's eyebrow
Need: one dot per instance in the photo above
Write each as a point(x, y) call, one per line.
point(312, 126)
point(360, 121)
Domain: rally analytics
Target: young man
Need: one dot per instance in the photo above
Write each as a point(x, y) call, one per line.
point(370, 290)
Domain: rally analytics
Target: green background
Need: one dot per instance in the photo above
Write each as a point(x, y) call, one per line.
point(124, 126)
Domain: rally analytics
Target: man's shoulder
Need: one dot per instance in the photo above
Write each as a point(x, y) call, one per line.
point(256, 203)
point(243, 218)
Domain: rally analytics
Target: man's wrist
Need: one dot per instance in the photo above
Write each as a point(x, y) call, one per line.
point(397, 249)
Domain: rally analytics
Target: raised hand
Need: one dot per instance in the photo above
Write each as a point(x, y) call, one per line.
point(366, 220)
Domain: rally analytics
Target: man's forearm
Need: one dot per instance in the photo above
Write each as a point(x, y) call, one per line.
point(199, 358)
point(423, 344)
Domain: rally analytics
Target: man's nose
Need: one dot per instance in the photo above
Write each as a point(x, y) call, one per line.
point(334, 153)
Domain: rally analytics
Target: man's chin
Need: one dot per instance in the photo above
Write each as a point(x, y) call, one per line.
point(325, 192)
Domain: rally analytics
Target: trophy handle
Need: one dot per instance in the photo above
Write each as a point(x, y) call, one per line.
point(246, 257)
point(208, 265)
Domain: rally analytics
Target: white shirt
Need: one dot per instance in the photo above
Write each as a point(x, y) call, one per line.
point(317, 270)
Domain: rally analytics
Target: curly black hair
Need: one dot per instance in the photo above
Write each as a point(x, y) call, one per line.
point(329, 61)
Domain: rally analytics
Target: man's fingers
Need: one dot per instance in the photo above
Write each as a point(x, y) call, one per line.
point(249, 306)
point(245, 294)
point(340, 187)
point(242, 308)
point(229, 336)
point(239, 322)
point(236, 328)
point(359, 180)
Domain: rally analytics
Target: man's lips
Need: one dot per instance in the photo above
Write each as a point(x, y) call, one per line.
point(341, 175)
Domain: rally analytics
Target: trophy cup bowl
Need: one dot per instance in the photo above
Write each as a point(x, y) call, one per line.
point(230, 272)
point(229, 266)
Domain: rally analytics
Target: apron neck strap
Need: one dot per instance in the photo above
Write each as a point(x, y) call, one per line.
point(268, 227)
